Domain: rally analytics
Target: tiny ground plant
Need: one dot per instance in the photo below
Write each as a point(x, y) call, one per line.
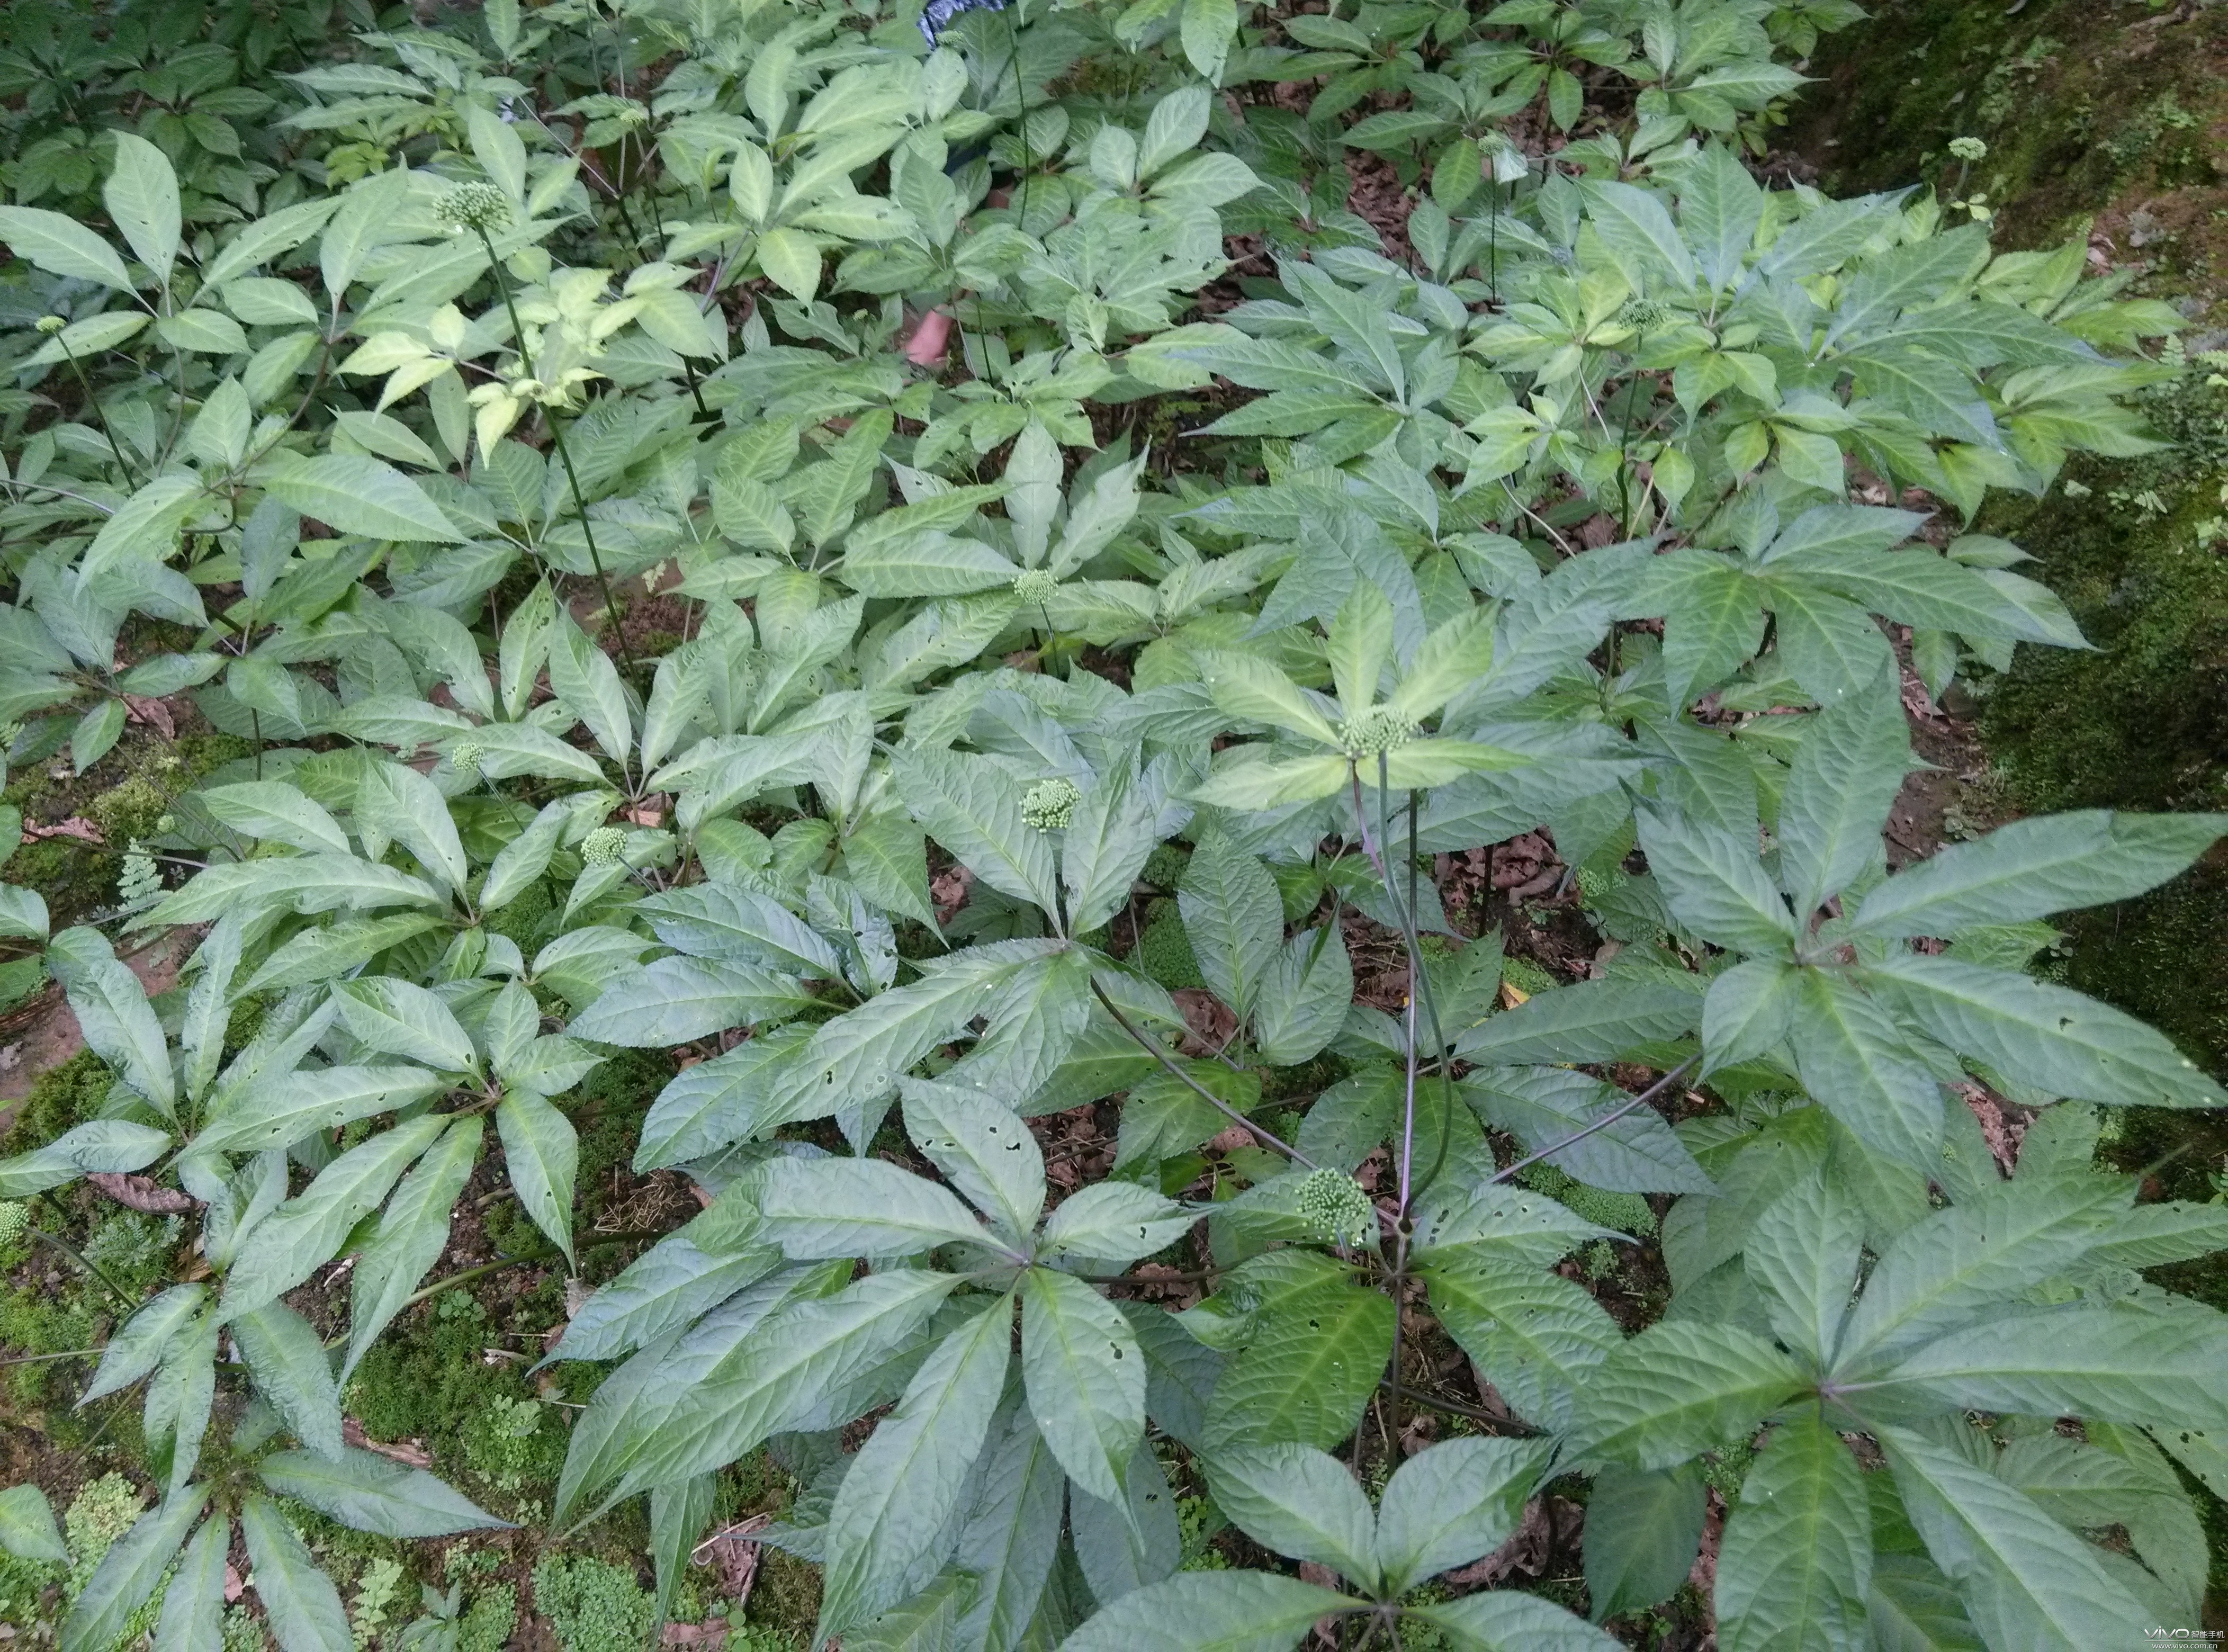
point(1539, 508)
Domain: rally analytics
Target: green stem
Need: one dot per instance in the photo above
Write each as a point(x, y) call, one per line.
point(1266, 1137)
point(98, 416)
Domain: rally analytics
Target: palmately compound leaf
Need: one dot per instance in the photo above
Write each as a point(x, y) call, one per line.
point(1299, 1502)
point(1210, 1611)
point(1795, 1560)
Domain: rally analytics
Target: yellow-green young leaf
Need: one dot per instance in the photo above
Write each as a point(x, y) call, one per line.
point(61, 246)
point(129, 1572)
point(1249, 688)
point(542, 1153)
point(1250, 785)
point(1796, 1561)
point(1450, 658)
point(1207, 28)
point(357, 494)
point(299, 1600)
point(790, 259)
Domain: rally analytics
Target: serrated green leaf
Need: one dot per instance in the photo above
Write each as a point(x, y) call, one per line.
point(2121, 1366)
point(1802, 1256)
point(62, 246)
point(193, 1601)
point(139, 1343)
point(1507, 1621)
point(128, 1572)
point(891, 1528)
point(971, 806)
point(357, 494)
point(1533, 1335)
point(367, 1492)
point(288, 1362)
point(1235, 919)
point(1297, 1501)
point(1308, 1371)
point(1795, 1560)
point(27, 1526)
point(412, 1232)
point(1643, 1530)
point(542, 1153)
point(1676, 1390)
point(982, 1148)
point(1452, 1502)
point(816, 1208)
point(1209, 1612)
point(1084, 1377)
point(280, 1110)
point(303, 1607)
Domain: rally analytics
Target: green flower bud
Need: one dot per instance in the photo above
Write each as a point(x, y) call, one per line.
point(1968, 149)
point(477, 206)
point(51, 325)
point(602, 846)
point(1050, 803)
point(1037, 585)
point(465, 759)
point(1375, 733)
point(15, 1217)
point(1337, 1208)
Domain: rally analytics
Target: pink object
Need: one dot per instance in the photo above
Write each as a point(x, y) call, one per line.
point(930, 335)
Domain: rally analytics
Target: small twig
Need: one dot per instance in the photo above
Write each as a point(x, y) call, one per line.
point(1266, 1137)
point(1602, 1122)
point(1432, 1402)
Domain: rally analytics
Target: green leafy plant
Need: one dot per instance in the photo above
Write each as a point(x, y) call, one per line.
point(684, 507)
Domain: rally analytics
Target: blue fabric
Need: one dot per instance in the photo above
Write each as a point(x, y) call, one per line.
point(936, 16)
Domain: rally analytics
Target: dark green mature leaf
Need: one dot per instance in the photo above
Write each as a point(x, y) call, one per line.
point(828, 1207)
point(303, 1608)
point(1845, 774)
point(2026, 1581)
point(367, 1492)
point(1233, 918)
point(892, 1524)
point(127, 1574)
point(306, 1232)
point(1795, 1560)
point(1855, 1061)
point(412, 1234)
point(357, 494)
point(1506, 1621)
point(669, 1285)
point(1544, 1106)
point(1676, 1390)
point(982, 1148)
point(1011, 1536)
point(1085, 1378)
point(678, 999)
point(971, 806)
point(1594, 1020)
point(291, 1369)
point(113, 1014)
point(2033, 867)
point(1123, 1547)
point(1534, 1335)
point(281, 1110)
point(1801, 1256)
point(2121, 1365)
point(1307, 1370)
point(27, 1526)
point(1452, 1502)
point(139, 1343)
point(1298, 1500)
point(1939, 1274)
point(2061, 1041)
point(1643, 1530)
point(1210, 1611)
point(542, 1153)
point(193, 1601)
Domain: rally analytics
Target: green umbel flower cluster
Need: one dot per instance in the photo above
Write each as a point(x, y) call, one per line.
point(1968, 149)
point(1375, 733)
point(1642, 315)
point(1050, 803)
point(602, 846)
point(15, 1217)
point(1037, 585)
point(477, 206)
point(465, 759)
point(1337, 1208)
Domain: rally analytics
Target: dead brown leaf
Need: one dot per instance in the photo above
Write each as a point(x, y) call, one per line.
point(141, 1193)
